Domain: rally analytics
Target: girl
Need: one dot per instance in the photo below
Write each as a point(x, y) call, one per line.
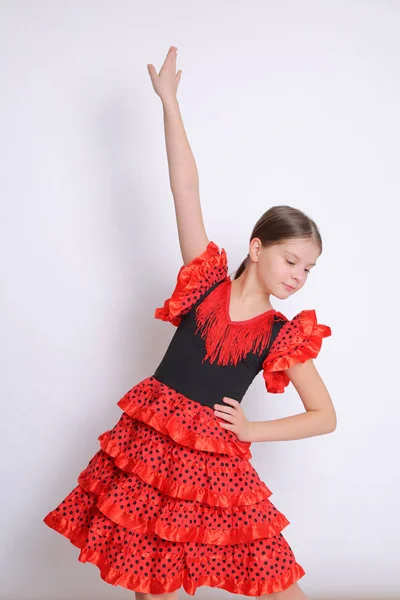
point(170, 499)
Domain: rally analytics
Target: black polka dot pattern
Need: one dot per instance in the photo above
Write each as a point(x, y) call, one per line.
point(156, 515)
point(144, 561)
point(170, 499)
point(187, 422)
point(209, 477)
point(194, 280)
point(297, 341)
point(134, 503)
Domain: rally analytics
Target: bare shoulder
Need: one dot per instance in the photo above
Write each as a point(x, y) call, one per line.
point(192, 248)
point(193, 242)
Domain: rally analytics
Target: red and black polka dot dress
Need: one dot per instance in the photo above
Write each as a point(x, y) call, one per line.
point(170, 499)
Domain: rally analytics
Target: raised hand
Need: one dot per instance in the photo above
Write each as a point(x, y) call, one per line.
point(166, 82)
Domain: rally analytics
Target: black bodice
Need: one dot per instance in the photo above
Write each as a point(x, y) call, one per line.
point(182, 367)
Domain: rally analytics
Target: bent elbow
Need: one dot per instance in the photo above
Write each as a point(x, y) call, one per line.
point(332, 423)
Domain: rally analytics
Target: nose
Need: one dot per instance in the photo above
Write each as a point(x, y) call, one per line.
point(299, 278)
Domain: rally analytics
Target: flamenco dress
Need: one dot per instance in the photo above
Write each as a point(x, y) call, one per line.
point(171, 499)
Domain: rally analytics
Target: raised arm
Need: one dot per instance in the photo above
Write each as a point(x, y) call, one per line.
point(183, 174)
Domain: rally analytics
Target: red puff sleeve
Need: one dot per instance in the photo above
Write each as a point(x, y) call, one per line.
point(193, 280)
point(297, 341)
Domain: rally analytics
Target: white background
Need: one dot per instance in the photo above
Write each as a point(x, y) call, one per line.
point(284, 103)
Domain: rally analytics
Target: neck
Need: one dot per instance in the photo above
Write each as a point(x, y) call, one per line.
point(247, 294)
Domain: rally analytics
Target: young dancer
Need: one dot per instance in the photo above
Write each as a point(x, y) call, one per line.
point(170, 500)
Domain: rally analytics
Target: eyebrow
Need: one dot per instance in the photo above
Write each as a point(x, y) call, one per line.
point(295, 255)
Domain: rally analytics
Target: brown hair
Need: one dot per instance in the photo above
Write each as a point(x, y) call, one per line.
point(280, 223)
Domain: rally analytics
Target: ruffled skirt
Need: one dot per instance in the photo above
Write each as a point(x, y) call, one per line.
point(171, 500)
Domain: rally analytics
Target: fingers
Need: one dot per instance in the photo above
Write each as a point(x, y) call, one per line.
point(224, 409)
point(226, 416)
point(234, 405)
point(171, 57)
point(170, 60)
point(219, 411)
point(231, 401)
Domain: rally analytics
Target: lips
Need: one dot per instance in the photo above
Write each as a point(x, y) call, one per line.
point(289, 286)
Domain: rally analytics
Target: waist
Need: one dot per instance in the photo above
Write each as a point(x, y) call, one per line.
point(202, 387)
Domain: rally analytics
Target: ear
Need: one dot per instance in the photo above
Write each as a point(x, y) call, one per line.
point(255, 248)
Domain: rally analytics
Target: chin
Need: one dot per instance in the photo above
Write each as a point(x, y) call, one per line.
point(281, 296)
point(283, 293)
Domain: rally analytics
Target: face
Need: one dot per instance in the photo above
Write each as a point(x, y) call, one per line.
point(284, 268)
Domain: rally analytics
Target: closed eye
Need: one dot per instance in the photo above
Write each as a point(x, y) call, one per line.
point(292, 263)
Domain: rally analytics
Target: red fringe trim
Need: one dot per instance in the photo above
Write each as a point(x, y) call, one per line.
point(194, 278)
point(226, 341)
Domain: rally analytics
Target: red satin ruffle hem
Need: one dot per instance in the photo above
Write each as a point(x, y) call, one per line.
point(171, 500)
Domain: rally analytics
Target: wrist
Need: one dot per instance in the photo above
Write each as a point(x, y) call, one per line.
point(253, 432)
point(258, 432)
point(169, 101)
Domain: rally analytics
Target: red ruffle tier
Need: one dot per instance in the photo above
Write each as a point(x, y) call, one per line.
point(166, 503)
point(298, 340)
point(194, 279)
